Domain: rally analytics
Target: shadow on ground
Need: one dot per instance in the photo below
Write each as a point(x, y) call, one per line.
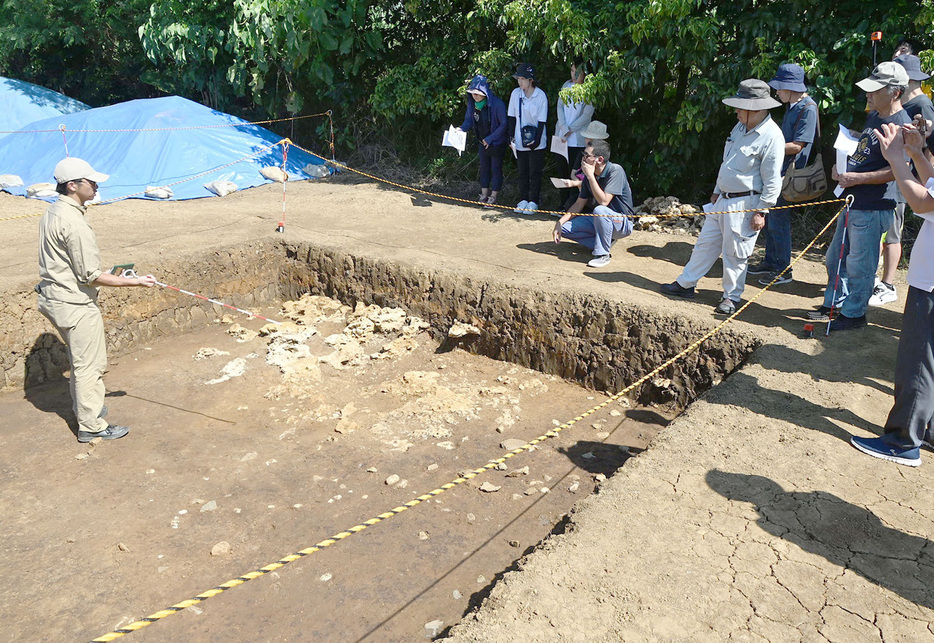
point(845, 534)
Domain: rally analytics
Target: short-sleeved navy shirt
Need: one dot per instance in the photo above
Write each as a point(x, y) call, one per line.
point(800, 126)
point(868, 158)
point(612, 181)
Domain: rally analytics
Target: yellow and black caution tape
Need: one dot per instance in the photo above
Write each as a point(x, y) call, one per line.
point(336, 538)
point(409, 188)
point(22, 216)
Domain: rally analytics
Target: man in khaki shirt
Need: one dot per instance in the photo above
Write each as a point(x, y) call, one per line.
point(70, 269)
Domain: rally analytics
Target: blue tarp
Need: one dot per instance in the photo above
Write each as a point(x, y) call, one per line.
point(137, 159)
point(21, 103)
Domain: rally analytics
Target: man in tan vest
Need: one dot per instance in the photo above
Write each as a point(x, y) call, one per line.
point(70, 269)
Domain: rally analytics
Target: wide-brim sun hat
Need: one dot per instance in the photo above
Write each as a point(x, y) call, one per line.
point(74, 169)
point(790, 77)
point(596, 131)
point(753, 95)
point(886, 74)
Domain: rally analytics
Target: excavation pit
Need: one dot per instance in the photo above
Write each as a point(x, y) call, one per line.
point(231, 444)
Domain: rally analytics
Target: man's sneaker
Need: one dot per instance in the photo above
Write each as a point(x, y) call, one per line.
point(674, 288)
point(482, 198)
point(726, 307)
point(599, 262)
point(520, 209)
point(878, 448)
point(760, 268)
point(112, 432)
point(883, 294)
point(842, 322)
point(786, 278)
point(531, 207)
point(821, 314)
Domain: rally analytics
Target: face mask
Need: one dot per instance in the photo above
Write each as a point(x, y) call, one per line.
point(480, 104)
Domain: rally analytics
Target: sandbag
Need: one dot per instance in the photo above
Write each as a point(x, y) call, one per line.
point(221, 188)
point(274, 173)
point(10, 181)
point(159, 192)
point(41, 190)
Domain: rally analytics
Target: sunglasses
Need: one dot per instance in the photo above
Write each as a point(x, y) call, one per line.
point(93, 184)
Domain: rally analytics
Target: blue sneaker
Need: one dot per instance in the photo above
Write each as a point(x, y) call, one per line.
point(878, 448)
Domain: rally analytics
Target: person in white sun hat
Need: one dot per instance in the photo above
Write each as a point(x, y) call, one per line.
point(71, 275)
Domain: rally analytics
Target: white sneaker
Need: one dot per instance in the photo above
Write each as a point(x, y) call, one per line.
point(520, 209)
point(599, 262)
point(530, 207)
point(882, 295)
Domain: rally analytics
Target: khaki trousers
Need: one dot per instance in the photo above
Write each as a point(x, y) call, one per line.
point(82, 328)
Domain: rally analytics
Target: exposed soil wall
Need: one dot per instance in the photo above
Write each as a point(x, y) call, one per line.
point(601, 344)
point(31, 352)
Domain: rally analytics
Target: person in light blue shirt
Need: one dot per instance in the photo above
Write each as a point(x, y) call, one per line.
point(748, 184)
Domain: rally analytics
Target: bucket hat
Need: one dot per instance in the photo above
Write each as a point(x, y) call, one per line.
point(912, 65)
point(753, 94)
point(789, 76)
point(886, 74)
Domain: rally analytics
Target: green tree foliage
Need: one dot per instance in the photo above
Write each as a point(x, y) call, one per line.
point(279, 54)
point(661, 67)
point(399, 67)
point(81, 48)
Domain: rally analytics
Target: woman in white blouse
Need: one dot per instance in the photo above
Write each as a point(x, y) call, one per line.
point(527, 113)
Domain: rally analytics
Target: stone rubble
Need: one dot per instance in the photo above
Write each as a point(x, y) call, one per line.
point(668, 214)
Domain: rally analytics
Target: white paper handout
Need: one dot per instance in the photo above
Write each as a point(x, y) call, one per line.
point(559, 146)
point(560, 183)
point(845, 146)
point(512, 146)
point(456, 139)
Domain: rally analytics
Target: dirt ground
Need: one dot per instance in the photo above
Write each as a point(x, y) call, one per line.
point(747, 518)
point(251, 441)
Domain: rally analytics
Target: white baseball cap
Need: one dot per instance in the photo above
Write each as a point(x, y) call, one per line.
point(72, 169)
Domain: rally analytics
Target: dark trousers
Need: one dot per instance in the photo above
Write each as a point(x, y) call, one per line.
point(530, 174)
point(491, 166)
point(911, 415)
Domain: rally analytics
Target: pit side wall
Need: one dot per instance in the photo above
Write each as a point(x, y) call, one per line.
point(604, 345)
point(31, 351)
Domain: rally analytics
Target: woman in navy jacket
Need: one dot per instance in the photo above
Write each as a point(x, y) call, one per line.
point(486, 115)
